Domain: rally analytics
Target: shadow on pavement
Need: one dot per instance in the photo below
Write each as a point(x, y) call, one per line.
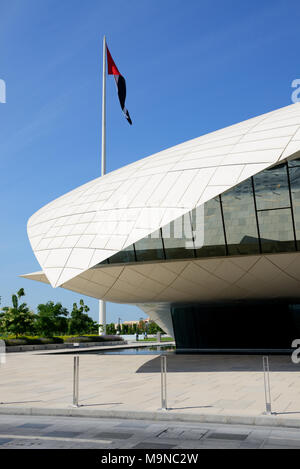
point(19, 402)
point(218, 363)
point(195, 407)
point(286, 413)
point(102, 403)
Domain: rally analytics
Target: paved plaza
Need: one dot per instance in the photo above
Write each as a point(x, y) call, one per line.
point(196, 384)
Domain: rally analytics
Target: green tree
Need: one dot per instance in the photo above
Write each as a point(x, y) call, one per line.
point(110, 329)
point(17, 319)
point(80, 322)
point(141, 325)
point(51, 319)
point(132, 329)
point(153, 328)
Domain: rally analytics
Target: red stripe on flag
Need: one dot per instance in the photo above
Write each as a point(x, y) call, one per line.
point(112, 69)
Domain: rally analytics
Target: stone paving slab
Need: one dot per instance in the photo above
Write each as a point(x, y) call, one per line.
point(204, 388)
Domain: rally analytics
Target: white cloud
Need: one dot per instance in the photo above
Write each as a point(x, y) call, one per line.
point(2, 91)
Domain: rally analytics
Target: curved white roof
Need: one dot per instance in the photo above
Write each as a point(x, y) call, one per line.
point(91, 223)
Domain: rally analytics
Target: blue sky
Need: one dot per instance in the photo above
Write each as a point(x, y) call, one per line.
point(191, 67)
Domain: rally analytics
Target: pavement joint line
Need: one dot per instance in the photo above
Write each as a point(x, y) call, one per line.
point(168, 416)
point(55, 438)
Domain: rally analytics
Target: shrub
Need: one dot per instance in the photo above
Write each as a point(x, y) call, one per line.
point(92, 338)
point(9, 342)
point(79, 339)
point(32, 341)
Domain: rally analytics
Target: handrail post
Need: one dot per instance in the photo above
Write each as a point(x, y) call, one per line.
point(76, 381)
point(267, 385)
point(163, 365)
point(2, 352)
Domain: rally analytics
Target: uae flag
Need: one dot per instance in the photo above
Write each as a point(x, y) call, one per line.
point(120, 82)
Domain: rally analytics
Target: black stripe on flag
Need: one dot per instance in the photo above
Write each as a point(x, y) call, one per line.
point(121, 87)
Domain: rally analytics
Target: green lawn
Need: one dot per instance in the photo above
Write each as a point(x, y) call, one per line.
point(154, 339)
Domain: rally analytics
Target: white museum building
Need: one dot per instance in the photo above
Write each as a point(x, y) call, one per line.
point(204, 236)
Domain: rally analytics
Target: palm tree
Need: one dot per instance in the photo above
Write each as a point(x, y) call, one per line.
point(17, 319)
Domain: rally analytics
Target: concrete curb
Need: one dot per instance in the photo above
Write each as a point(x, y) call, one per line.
point(260, 420)
point(86, 347)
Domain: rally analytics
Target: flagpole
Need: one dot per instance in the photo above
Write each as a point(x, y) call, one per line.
point(102, 304)
point(103, 153)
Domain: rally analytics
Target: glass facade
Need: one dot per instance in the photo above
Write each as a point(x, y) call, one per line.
point(125, 256)
point(239, 326)
point(240, 220)
point(294, 176)
point(271, 188)
point(178, 238)
point(276, 230)
point(150, 248)
point(214, 240)
point(259, 215)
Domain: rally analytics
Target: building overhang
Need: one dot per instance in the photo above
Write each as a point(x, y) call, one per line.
point(193, 280)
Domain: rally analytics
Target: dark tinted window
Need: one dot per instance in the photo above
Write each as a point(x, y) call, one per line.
point(240, 219)
point(150, 248)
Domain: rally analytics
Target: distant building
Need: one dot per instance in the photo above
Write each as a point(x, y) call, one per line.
point(131, 323)
point(231, 280)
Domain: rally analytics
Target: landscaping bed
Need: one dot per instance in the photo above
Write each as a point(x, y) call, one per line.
point(31, 340)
